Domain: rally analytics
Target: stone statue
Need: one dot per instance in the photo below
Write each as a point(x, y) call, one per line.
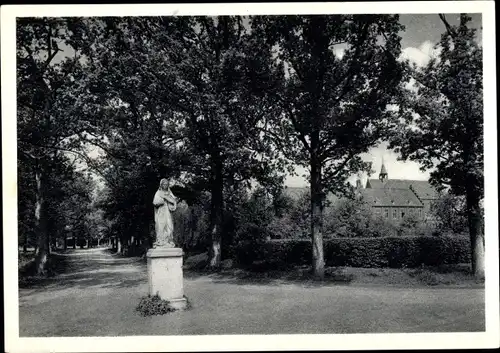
point(164, 203)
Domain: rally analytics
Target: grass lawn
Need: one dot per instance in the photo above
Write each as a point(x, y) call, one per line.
point(56, 264)
point(98, 293)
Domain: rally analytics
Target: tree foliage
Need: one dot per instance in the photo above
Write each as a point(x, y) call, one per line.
point(48, 86)
point(179, 97)
point(442, 125)
point(224, 104)
point(339, 75)
point(450, 212)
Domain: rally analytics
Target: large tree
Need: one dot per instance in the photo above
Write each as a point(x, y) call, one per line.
point(341, 74)
point(227, 76)
point(46, 92)
point(442, 125)
point(182, 96)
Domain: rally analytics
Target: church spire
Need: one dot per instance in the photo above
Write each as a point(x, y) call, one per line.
point(383, 176)
point(358, 181)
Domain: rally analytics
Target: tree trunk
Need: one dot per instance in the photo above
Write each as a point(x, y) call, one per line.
point(118, 245)
point(192, 226)
point(318, 263)
point(131, 251)
point(41, 224)
point(25, 243)
point(65, 242)
point(48, 239)
point(217, 204)
point(476, 234)
point(74, 242)
point(54, 243)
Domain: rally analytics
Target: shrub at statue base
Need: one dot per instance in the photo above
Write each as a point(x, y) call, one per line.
point(154, 305)
point(394, 252)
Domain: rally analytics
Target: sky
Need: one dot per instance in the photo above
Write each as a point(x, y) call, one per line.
point(422, 32)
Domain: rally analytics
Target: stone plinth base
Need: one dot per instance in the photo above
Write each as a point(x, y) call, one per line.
point(165, 275)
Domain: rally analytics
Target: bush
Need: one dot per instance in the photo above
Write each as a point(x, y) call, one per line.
point(253, 217)
point(348, 218)
point(354, 218)
point(395, 252)
point(284, 228)
point(449, 212)
point(154, 305)
point(381, 227)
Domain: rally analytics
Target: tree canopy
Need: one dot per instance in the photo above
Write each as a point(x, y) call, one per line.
point(222, 105)
point(339, 76)
point(442, 125)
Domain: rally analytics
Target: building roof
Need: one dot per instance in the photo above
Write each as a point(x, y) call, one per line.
point(388, 184)
point(422, 188)
point(386, 197)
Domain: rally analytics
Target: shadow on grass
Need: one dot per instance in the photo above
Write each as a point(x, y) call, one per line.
point(56, 264)
point(293, 275)
point(446, 275)
point(272, 274)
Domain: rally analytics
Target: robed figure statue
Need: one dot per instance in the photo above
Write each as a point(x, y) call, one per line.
point(164, 203)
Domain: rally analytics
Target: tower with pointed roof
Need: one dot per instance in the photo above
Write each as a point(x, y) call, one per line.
point(383, 176)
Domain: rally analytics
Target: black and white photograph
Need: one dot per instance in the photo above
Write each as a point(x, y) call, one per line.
point(250, 176)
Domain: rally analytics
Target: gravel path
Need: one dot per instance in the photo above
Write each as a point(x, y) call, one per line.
point(98, 293)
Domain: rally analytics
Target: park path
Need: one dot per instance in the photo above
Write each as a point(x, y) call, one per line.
point(98, 293)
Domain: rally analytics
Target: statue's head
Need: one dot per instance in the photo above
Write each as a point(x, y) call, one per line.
point(164, 184)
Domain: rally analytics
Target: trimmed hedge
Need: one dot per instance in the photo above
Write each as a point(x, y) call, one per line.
point(395, 252)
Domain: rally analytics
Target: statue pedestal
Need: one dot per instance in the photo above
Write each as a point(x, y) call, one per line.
point(165, 275)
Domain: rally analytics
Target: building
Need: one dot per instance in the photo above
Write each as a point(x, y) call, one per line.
point(390, 198)
point(396, 198)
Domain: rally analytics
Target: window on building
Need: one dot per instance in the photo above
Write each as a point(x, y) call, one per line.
point(420, 213)
point(386, 213)
point(394, 214)
point(402, 214)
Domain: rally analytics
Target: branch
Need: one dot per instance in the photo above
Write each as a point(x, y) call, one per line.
point(49, 59)
point(28, 154)
point(300, 134)
point(350, 74)
point(169, 141)
point(175, 102)
point(51, 54)
point(449, 28)
point(86, 158)
point(276, 137)
point(342, 165)
point(25, 104)
point(209, 32)
point(337, 43)
point(101, 146)
point(301, 78)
